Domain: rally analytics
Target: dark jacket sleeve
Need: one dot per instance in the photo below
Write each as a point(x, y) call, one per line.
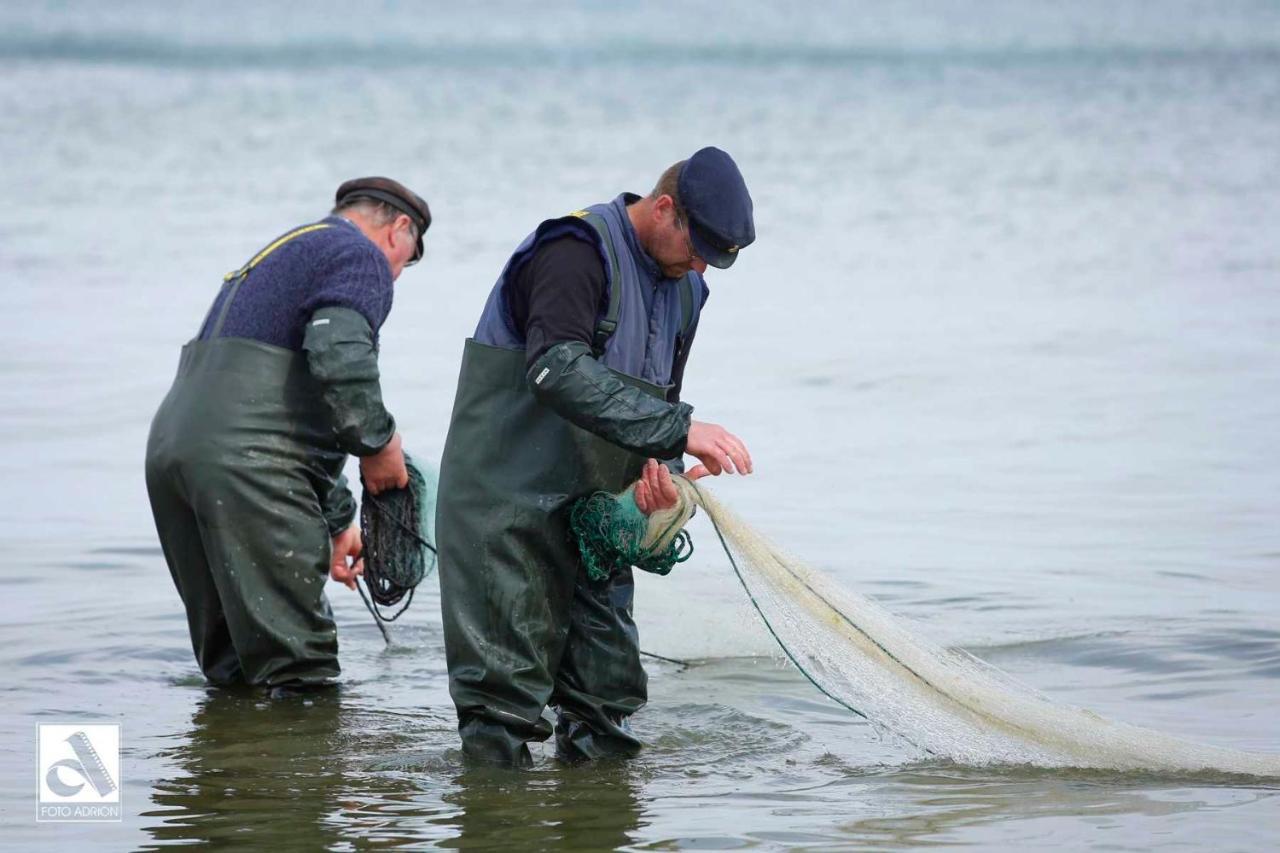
point(569, 380)
point(343, 358)
point(557, 294)
point(338, 506)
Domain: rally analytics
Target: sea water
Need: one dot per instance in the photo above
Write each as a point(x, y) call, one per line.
point(1005, 353)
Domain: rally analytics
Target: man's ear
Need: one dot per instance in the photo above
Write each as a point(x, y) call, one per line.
point(662, 205)
point(401, 223)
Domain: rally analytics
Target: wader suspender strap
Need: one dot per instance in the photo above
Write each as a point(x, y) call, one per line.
point(235, 278)
point(609, 322)
point(687, 285)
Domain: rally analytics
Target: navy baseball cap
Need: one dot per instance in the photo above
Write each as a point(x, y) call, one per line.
point(716, 200)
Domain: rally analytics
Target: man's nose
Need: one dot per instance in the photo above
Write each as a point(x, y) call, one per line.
point(699, 265)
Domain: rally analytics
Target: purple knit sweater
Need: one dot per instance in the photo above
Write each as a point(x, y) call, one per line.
point(336, 266)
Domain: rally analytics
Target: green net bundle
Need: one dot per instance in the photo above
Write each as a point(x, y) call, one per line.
point(398, 529)
point(613, 534)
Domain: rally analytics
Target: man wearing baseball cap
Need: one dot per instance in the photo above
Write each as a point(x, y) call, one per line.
point(572, 385)
point(245, 455)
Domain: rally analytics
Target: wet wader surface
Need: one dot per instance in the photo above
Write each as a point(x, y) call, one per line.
point(241, 461)
point(524, 626)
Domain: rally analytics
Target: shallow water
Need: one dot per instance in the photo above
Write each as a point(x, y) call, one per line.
point(1005, 354)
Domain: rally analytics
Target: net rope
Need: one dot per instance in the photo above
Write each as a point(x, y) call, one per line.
point(397, 528)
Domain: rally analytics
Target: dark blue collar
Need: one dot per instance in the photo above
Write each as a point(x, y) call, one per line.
point(633, 240)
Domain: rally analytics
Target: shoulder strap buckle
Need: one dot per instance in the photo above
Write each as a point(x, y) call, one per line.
point(608, 324)
point(238, 276)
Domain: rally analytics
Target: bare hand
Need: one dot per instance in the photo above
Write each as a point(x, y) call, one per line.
point(347, 544)
point(717, 449)
point(655, 491)
point(385, 469)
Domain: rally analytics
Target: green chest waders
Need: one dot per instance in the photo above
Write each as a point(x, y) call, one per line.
point(524, 626)
point(241, 461)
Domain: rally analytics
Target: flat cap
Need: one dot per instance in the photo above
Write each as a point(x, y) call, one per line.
point(393, 193)
point(715, 197)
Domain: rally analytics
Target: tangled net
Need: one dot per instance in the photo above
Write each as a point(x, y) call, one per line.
point(612, 533)
point(398, 529)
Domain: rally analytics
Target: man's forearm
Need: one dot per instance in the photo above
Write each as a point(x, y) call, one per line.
point(343, 359)
point(338, 506)
point(570, 381)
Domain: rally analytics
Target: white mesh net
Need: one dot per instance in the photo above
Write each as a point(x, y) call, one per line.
point(947, 703)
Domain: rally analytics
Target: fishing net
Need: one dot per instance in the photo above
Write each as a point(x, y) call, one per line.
point(398, 530)
point(945, 702)
point(612, 533)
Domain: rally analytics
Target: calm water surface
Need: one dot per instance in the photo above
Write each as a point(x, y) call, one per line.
point(1005, 354)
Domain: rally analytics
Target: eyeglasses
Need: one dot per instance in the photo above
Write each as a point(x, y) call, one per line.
point(682, 223)
point(417, 252)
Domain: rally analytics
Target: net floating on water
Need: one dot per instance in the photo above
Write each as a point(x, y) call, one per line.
point(945, 702)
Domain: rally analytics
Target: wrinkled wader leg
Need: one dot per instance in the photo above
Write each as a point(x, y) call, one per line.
point(522, 626)
point(249, 553)
point(184, 552)
point(506, 614)
point(600, 682)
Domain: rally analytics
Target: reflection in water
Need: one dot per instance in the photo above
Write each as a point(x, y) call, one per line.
point(930, 806)
point(325, 772)
point(254, 772)
point(561, 808)
point(335, 772)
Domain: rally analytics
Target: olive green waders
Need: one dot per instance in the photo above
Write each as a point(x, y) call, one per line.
point(242, 467)
point(524, 627)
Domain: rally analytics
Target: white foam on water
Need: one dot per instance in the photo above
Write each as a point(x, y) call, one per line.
point(945, 702)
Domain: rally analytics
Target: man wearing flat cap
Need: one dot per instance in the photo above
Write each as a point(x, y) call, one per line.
point(245, 456)
point(571, 385)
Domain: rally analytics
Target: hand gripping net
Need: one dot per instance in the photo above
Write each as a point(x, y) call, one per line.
point(398, 529)
point(612, 533)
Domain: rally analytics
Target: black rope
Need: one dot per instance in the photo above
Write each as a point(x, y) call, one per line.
point(395, 550)
point(683, 663)
point(377, 620)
